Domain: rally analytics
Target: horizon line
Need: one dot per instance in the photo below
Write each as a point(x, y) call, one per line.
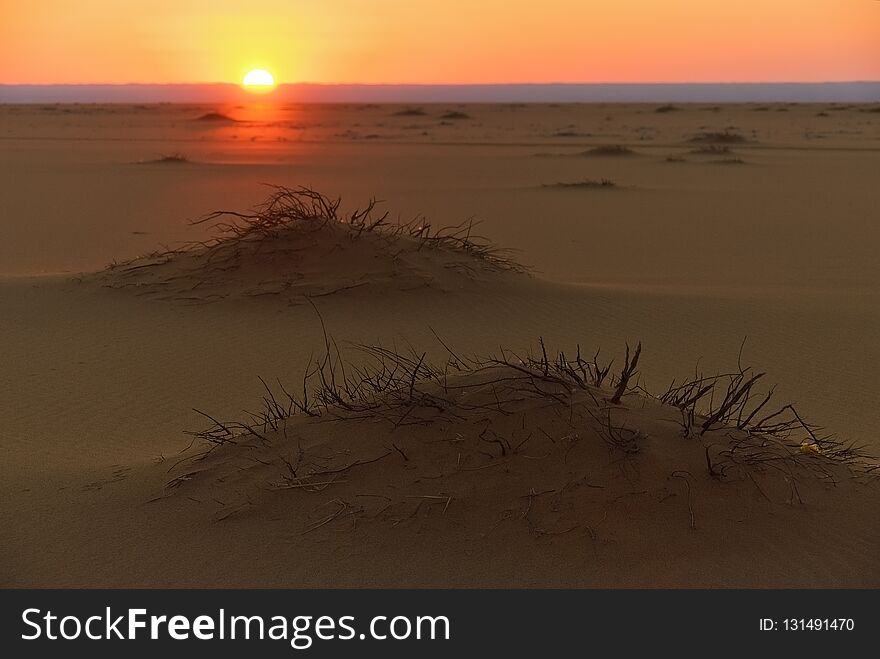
point(855, 91)
point(446, 84)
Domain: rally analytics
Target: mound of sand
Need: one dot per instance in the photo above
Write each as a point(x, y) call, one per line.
point(503, 455)
point(298, 244)
point(217, 117)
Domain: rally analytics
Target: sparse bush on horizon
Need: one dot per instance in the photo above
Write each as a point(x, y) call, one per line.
point(171, 159)
point(586, 184)
point(712, 150)
point(410, 112)
point(718, 137)
point(570, 133)
point(215, 116)
point(609, 150)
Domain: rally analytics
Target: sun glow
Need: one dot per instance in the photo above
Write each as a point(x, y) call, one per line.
point(259, 80)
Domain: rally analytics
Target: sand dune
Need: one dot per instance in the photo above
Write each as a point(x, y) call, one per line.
point(526, 474)
point(298, 245)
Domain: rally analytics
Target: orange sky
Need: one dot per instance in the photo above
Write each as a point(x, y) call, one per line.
point(439, 41)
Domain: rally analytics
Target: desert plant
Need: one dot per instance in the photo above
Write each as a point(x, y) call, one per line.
point(616, 437)
point(613, 150)
point(626, 374)
point(569, 133)
point(407, 388)
point(215, 116)
point(586, 184)
point(712, 150)
point(410, 112)
point(169, 159)
point(718, 137)
point(297, 212)
point(294, 208)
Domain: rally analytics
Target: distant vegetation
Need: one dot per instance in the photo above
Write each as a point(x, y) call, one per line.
point(610, 150)
point(455, 115)
point(569, 133)
point(410, 112)
point(215, 116)
point(586, 184)
point(712, 150)
point(173, 158)
point(168, 159)
point(719, 137)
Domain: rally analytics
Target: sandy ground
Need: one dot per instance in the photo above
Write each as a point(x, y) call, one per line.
point(690, 257)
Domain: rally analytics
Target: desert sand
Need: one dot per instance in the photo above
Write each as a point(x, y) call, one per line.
point(317, 399)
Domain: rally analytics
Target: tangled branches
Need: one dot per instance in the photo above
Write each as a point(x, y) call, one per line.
point(406, 388)
point(304, 209)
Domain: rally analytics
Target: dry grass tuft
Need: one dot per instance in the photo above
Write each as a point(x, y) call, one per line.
point(612, 150)
point(406, 388)
point(760, 436)
point(712, 150)
point(570, 132)
point(719, 137)
point(410, 112)
point(299, 208)
point(168, 159)
point(586, 184)
point(217, 117)
point(282, 246)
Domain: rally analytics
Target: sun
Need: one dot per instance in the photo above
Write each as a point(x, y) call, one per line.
point(258, 80)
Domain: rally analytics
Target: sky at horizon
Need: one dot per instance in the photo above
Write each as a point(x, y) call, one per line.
point(434, 42)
